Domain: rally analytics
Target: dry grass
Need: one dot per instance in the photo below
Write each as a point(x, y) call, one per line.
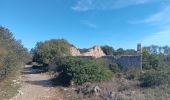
point(8, 89)
point(9, 86)
point(121, 89)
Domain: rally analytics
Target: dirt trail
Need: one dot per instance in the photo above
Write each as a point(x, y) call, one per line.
point(35, 86)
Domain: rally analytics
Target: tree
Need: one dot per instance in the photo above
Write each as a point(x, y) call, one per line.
point(150, 61)
point(154, 78)
point(46, 51)
point(130, 52)
point(83, 50)
point(119, 51)
point(12, 54)
point(108, 50)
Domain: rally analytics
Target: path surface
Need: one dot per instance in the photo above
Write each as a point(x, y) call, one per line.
point(35, 86)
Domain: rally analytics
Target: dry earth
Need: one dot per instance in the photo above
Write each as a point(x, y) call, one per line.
point(35, 86)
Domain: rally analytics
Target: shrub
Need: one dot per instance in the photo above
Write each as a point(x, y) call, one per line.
point(44, 52)
point(12, 54)
point(81, 70)
point(107, 50)
point(150, 61)
point(7, 67)
point(154, 78)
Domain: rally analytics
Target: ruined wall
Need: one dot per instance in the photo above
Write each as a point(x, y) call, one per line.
point(130, 61)
point(95, 52)
point(74, 51)
point(125, 61)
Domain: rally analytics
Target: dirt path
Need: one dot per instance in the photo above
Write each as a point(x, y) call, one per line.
point(35, 86)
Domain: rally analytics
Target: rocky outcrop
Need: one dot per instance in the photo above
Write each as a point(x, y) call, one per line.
point(96, 52)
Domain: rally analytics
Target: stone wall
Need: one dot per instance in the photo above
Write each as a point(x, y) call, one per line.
point(96, 52)
point(125, 61)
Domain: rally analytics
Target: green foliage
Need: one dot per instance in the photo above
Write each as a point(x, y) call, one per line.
point(130, 52)
point(162, 51)
point(155, 78)
point(83, 50)
point(150, 61)
point(12, 53)
point(107, 50)
point(46, 51)
point(120, 51)
point(81, 70)
point(155, 49)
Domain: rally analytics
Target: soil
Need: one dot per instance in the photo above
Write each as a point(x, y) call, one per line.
point(35, 85)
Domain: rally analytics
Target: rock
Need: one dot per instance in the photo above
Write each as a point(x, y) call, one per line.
point(65, 89)
point(20, 92)
point(89, 90)
point(110, 96)
point(14, 81)
point(97, 90)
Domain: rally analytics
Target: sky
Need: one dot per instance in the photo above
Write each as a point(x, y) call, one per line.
point(85, 23)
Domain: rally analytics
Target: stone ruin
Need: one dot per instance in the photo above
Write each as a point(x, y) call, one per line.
point(130, 61)
point(95, 52)
point(125, 61)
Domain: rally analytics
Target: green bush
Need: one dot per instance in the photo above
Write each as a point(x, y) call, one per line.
point(8, 66)
point(81, 70)
point(44, 52)
point(12, 54)
point(154, 78)
point(150, 61)
point(108, 50)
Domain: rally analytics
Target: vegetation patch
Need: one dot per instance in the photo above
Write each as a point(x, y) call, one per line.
point(82, 70)
point(44, 52)
point(155, 78)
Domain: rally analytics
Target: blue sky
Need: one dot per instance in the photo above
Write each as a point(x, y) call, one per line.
point(84, 23)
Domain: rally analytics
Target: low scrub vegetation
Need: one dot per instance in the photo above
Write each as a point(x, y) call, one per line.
point(44, 52)
point(150, 61)
point(155, 78)
point(82, 70)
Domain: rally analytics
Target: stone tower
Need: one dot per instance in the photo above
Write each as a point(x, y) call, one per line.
point(139, 49)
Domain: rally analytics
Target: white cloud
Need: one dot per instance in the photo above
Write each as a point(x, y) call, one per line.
point(89, 24)
point(160, 18)
point(85, 5)
point(159, 38)
point(163, 16)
